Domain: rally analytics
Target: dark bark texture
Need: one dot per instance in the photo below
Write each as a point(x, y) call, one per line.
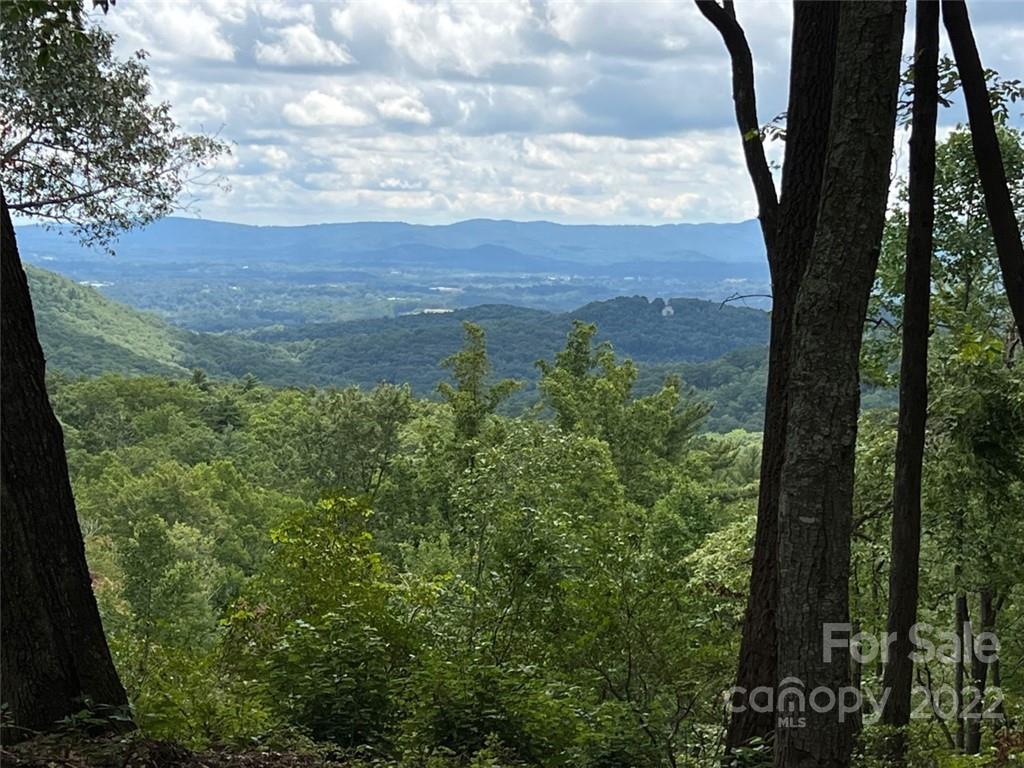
point(961, 622)
point(979, 676)
point(808, 117)
point(987, 156)
point(54, 654)
point(723, 17)
point(816, 493)
point(905, 551)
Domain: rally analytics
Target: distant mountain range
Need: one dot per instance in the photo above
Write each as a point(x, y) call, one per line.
point(533, 245)
point(360, 303)
point(213, 276)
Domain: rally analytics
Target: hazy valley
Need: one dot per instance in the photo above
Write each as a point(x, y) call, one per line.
point(215, 276)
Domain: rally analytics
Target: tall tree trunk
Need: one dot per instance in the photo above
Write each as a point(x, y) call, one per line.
point(962, 623)
point(999, 706)
point(979, 676)
point(987, 156)
point(54, 654)
point(906, 515)
point(857, 674)
point(876, 599)
point(816, 494)
point(788, 245)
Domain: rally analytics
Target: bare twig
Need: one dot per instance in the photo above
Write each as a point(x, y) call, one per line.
point(741, 296)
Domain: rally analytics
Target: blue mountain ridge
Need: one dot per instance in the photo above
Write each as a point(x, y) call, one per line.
point(477, 243)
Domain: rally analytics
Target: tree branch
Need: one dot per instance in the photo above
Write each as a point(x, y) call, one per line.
point(987, 155)
point(18, 146)
point(741, 296)
point(29, 205)
point(936, 713)
point(723, 18)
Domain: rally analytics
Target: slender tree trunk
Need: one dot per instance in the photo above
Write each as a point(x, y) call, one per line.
point(876, 599)
point(906, 517)
point(979, 677)
point(54, 654)
point(808, 117)
point(857, 675)
point(962, 624)
point(999, 706)
point(987, 156)
point(816, 494)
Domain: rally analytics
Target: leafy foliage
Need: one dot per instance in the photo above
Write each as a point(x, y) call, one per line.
point(436, 582)
point(423, 580)
point(969, 307)
point(973, 470)
point(81, 142)
point(84, 333)
point(433, 583)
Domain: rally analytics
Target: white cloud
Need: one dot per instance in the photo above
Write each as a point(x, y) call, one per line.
point(205, 112)
point(438, 36)
point(226, 163)
point(633, 30)
point(405, 109)
point(231, 11)
point(437, 177)
point(536, 156)
point(432, 110)
point(174, 31)
point(298, 45)
point(275, 10)
point(318, 108)
point(275, 157)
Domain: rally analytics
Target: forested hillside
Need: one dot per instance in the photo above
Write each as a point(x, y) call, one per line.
point(554, 592)
point(400, 349)
point(404, 577)
point(85, 333)
point(480, 495)
point(718, 350)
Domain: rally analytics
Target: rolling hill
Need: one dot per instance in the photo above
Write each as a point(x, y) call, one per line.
point(85, 333)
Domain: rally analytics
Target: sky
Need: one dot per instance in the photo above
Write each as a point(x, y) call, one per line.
point(433, 112)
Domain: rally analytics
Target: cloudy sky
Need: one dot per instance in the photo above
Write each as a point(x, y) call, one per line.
point(604, 112)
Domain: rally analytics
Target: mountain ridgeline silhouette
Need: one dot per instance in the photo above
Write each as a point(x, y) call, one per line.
point(477, 243)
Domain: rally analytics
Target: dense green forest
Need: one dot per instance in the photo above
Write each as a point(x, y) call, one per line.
point(717, 350)
point(434, 583)
point(85, 333)
point(440, 580)
point(669, 533)
point(507, 587)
